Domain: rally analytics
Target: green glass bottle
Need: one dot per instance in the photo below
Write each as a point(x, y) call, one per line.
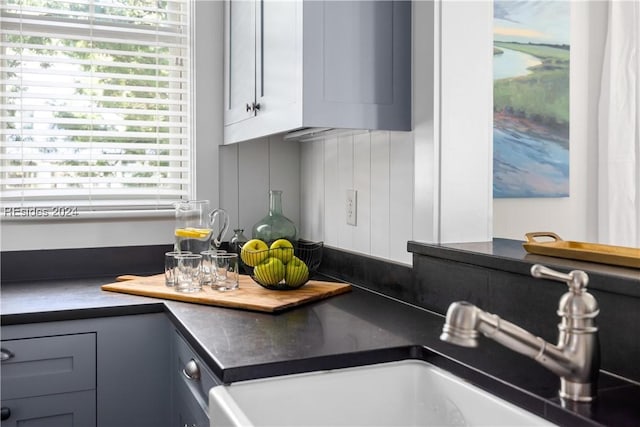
point(275, 225)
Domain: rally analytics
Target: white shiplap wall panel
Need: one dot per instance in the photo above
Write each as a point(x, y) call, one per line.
point(229, 195)
point(312, 190)
point(345, 181)
point(380, 195)
point(253, 182)
point(250, 169)
point(362, 184)
point(284, 172)
point(401, 194)
point(332, 211)
point(379, 165)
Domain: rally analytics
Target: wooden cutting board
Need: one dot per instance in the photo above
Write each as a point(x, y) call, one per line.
point(249, 296)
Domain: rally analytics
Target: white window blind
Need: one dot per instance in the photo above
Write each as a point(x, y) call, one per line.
point(95, 103)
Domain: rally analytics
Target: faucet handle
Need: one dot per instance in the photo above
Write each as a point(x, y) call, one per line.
point(576, 280)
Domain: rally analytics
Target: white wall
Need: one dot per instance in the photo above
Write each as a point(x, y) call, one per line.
point(573, 217)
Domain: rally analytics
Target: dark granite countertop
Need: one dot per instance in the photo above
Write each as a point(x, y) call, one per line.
point(360, 327)
point(510, 255)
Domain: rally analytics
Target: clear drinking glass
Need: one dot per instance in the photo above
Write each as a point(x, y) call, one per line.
point(208, 271)
point(189, 273)
point(225, 267)
point(170, 266)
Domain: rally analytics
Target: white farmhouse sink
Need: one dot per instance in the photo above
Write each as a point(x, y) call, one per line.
point(406, 393)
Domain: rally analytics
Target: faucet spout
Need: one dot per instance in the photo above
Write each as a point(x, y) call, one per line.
point(575, 358)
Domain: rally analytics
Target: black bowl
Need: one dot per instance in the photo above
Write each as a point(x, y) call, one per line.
point(274, 275)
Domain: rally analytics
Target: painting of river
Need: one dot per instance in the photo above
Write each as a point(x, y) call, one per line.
point(531, 99)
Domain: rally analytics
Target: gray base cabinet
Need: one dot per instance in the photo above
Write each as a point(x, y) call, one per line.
point(49, 381)
point(191, 381)
point(105, 372)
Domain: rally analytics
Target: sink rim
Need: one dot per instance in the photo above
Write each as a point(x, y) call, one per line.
point(224, 393)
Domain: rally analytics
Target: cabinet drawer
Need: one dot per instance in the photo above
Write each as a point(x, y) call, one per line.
point(48, 365)
point(185, 358)
point(64, 410)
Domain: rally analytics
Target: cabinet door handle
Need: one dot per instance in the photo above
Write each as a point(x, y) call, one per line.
point(252, 107)
point(191, 370)
point(5, 413)
point(5, 354)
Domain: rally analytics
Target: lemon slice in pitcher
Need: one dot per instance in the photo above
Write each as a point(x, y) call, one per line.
point(193, 233)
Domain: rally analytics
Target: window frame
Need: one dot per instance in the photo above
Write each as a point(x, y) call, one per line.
point(133, 195)
point(133, 228)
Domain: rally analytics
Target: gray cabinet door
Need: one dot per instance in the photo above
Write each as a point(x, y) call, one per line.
point(263, 68)
point(47, 365)
point(357, 62)
point(50, 381)
point(240, 60)
point(188, 411)
point(54, 410)
point(191, 382)
point(279, 64)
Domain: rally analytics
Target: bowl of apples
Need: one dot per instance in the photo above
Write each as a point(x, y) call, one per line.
point(282, 264)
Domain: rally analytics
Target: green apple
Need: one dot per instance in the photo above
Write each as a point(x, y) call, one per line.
point(254, 252)
point(270, 271)
point(282, 249)
point(296, 272)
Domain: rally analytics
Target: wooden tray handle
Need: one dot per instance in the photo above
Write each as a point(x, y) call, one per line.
point(126, 277)
point(531, 237)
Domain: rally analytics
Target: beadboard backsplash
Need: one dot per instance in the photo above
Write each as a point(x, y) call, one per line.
point(315, 176)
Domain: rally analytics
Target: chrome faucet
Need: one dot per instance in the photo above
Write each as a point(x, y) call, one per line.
point(576, 357)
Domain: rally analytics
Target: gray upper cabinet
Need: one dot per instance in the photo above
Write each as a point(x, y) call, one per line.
point(316, 64)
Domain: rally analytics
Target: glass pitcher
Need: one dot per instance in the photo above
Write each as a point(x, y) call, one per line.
point(197, 228)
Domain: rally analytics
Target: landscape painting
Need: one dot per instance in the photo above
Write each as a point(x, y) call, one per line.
point(531, 98)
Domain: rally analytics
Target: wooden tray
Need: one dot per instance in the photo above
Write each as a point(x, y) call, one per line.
point(593, 252)
point(250, 295)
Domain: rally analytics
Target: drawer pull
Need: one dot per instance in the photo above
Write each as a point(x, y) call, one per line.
point(5, 413)
point(5, 354)
point(191, 370)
